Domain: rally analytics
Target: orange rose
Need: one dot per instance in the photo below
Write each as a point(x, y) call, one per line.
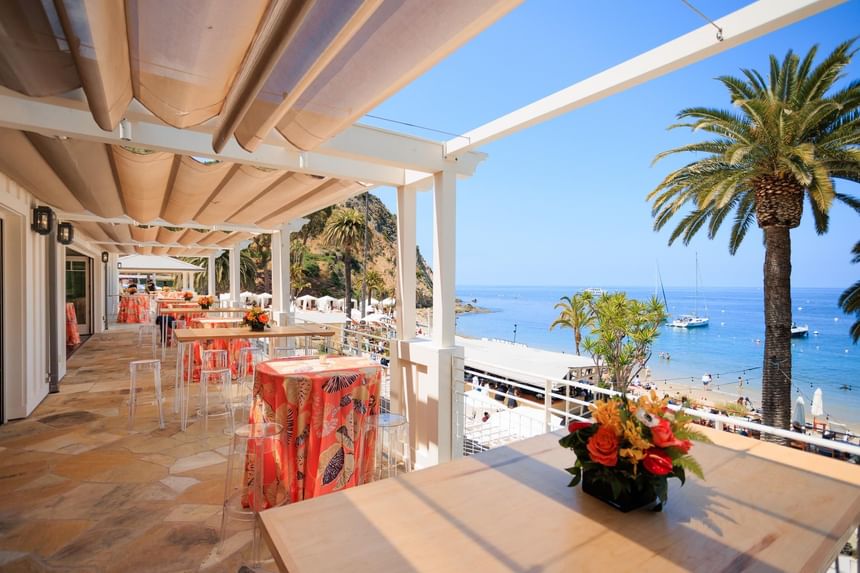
point(264, 318)
point(603, 447)
point(662, 436)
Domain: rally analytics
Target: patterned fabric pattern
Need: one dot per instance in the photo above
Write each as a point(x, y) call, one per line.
point(322, 409)
point(73, 337)
point(133, 308)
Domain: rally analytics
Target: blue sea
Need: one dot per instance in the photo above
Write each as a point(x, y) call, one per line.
point(729, 347)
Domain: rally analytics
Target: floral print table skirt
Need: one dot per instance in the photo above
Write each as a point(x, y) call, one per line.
point(133, 308)
point(322, 408)
point(73, 337)
point(233, 346)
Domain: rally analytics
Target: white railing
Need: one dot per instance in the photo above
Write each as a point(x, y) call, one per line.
point(574, 398)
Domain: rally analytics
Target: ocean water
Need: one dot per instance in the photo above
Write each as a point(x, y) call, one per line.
point(731, 346)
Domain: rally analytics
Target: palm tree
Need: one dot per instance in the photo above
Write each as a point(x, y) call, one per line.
point(247, 271)
point(374, 282)
point(788, 139)
point(850, 299)
point(343, 230)
point(576, 314)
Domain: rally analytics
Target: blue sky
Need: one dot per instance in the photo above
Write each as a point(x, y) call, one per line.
point(563, 203)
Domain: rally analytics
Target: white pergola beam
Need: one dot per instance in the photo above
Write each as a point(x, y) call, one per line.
point(360, 153)
point(748, 23)
point(194, 247)
point(125, 220)
point(52, 119)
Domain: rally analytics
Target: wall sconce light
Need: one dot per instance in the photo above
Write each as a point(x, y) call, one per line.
point(125, 130)
point(65, 233)
point(105, 256)
point(43, 220)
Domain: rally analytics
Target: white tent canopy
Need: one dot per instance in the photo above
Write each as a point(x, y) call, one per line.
point(388, 301)
point(154, 263)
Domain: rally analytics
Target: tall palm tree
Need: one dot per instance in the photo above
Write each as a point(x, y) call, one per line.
point(374, 283)
point(344, 230)
point(576, 314)
point(789, 137)
point(850, 299)
point(247, 271)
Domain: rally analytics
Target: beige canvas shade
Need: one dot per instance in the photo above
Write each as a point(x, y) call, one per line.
point(79, 176)
point(309, 67)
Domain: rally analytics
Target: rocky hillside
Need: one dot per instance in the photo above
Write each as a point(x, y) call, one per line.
point(322, 266)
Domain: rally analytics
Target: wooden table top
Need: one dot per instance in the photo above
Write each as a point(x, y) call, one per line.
point(192, 334)
point(180, 310)
point(509, 509)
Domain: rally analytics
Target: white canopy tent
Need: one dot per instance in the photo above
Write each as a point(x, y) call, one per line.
point(306, 302)
point(327, 303)
point(154, 264)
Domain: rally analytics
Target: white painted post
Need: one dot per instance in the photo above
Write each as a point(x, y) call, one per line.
point(547, 404)
point(281, 276)
point(406, 263)
point(235, 277)
point(210, 289)
point(444, 226)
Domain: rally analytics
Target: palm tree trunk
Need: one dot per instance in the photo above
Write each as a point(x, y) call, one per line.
point(347, 273)
point(577, 337)
point(776, 370)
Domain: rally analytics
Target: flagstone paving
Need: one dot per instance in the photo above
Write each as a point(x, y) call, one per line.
point(79, 492)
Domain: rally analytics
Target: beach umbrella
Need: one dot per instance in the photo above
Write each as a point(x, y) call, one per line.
point(799, 416)
point(817, 408)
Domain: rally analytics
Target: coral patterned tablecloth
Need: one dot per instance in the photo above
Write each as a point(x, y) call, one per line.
point(232, 345)
point(73, 337)
point(322, 408)
point(133, 308)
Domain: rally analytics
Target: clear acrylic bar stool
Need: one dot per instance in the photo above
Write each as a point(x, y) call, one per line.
point(214, 368)
point(138, 368)
point(240, 395)
point(386, 439)
point(151, 330)
point(243, 497)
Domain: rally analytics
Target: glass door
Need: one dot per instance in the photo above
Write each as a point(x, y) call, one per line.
point(79, 290)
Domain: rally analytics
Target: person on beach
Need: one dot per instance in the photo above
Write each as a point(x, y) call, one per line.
point(706, 380)
point(476, 383)
point(740, 384)
point(485, 417)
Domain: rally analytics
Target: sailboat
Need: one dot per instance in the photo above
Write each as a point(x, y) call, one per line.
point(692, 320)
point(660, 293)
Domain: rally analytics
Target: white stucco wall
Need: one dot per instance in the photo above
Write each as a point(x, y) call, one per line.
point(25, 318)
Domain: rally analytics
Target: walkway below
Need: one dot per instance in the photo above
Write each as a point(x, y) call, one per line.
point(78, 492)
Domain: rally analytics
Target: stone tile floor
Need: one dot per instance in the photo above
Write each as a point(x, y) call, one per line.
point(79, 492)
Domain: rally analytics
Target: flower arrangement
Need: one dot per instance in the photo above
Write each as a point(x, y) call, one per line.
point(631, 449)
point(132, 289)
point(256, 318)
point(188, 295)
point(204, 301)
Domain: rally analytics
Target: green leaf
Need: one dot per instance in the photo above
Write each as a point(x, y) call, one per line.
point(576, 471)
point(689, 463)
point(661, 488)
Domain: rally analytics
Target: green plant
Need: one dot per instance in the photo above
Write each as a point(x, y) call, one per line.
point(576, 314)
point(787, 139)
point(622, 334)
point(344, 230)
point(849, 300)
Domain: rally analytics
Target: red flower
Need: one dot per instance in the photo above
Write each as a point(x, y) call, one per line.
point(575, 426)
point(657, 462)
point(662, 436)
point(603, 447)
point(264, 318)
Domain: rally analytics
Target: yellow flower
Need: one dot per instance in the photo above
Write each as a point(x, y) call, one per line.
point(634, 436)
point(652, 404)
point(605, 413)
point(634, 455)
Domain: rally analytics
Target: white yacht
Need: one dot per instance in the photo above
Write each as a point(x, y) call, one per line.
point(689, 321)
point(798, 331)
point(692, 320)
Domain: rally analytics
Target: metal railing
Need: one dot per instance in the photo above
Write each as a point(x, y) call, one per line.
point(559, 402)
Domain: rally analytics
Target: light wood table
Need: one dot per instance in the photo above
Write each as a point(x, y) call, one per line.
point(185, 310)
point(510, 509)
point(186, 337)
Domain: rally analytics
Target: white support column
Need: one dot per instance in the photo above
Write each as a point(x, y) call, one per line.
point(406, 263)
point(444, 227)
point(235, 276)
point(210, 276)
point(281, 287)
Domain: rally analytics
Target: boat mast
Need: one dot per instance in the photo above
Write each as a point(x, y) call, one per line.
point(696, 303)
